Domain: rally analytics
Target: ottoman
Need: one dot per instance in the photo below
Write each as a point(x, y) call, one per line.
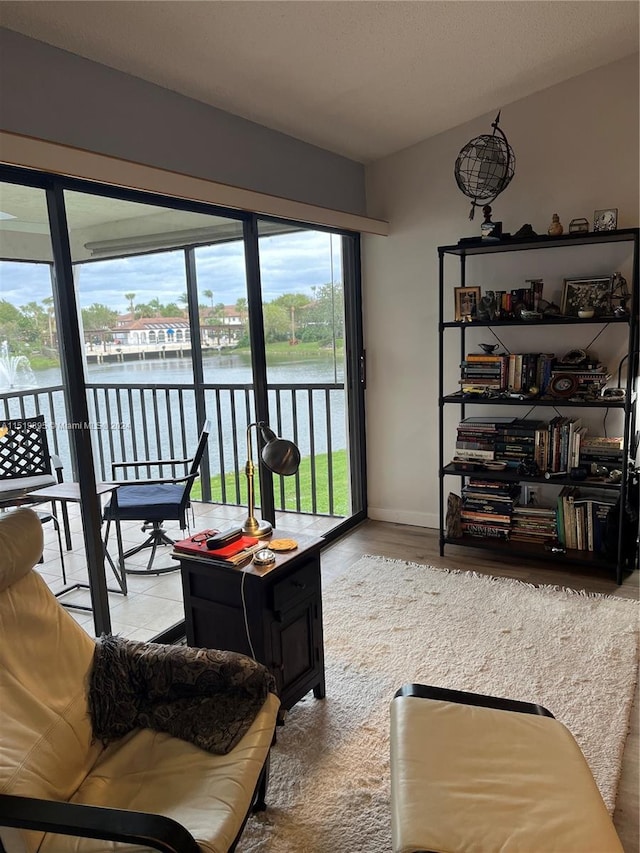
point(479, 773)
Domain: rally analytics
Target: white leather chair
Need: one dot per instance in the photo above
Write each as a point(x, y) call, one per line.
point(148, 789)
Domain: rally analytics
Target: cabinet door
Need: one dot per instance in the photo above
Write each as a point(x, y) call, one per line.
point(293, 644)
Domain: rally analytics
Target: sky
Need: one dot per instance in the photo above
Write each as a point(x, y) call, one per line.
point(289, 263)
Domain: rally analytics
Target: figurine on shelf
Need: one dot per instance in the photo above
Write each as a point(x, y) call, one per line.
point(579, 226)
point(619, 295)
point(487, 306)
point(490, 230)
point(526, 232)
point(555, 229)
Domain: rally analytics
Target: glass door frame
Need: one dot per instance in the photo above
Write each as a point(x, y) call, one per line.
point(71, 353)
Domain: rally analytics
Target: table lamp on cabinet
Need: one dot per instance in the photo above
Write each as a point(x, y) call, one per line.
point(280, 456)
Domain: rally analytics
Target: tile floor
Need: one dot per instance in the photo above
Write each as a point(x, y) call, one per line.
point(153, 602)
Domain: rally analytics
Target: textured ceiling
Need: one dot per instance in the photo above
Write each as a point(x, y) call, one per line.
point(361, 78)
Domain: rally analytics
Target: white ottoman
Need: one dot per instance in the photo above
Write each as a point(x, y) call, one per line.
point(477, 773)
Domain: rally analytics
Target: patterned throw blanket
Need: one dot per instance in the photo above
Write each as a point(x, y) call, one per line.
point(204, 696)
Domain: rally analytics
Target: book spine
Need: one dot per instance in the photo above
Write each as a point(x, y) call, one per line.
point(470, 453)
point(511, 373)
point(495, 359)
point(517, 381)
point(485, 531)
point(560, 519)
point(571, 521)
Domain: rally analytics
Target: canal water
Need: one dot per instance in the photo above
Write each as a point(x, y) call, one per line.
point(225, 369)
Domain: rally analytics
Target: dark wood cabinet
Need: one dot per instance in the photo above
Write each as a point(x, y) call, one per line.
point(273, 614)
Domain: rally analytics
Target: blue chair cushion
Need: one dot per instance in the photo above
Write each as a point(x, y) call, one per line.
point(149, 502)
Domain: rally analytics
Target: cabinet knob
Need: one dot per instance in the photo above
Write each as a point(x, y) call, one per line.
point(299, 584)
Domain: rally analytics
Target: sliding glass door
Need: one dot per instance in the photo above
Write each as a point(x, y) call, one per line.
point(155, 314)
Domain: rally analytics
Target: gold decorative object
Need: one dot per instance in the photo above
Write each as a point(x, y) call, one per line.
point(555, 229)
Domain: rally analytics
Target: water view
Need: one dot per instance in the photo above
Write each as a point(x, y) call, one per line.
point(147, 421)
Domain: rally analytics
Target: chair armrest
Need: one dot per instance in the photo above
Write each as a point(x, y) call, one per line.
point(148, 463)
point(155, 482)
point(156, 831)
point(56, 464)
point(142, 462)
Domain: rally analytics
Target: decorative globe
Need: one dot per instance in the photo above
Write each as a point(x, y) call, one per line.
point(485, 167)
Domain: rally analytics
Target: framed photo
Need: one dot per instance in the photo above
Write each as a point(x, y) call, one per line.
point(585, 294)
point(466, 303)
point(605, 220)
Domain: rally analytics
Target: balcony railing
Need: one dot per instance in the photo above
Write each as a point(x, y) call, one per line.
point(158, 421)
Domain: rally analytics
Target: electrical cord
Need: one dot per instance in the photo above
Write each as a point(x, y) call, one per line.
point(244, 613)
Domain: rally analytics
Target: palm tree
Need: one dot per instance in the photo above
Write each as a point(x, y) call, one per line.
point(130, 298)
point(209, 295)
point(48, 303)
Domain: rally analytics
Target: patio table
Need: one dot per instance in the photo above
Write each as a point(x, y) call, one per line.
point(70, 493)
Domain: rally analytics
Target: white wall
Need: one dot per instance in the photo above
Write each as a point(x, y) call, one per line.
point(576, 148)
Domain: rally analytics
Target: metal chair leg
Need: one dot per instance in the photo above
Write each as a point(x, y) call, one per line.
point(158, 536)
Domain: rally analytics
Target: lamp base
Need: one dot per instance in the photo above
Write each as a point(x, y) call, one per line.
point(253, 527)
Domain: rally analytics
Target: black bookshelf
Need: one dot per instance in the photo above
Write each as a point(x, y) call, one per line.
point(591, 561)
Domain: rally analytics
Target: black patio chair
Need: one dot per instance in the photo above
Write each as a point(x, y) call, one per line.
point(154, 501)
point(27, 465)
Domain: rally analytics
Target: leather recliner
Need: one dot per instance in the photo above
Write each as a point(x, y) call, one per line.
point(148, 789)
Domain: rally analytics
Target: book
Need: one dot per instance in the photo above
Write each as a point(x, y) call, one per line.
point(485, 531)
point(476, 357)
point(232, 554)
point(603, 441)
point(469, 453)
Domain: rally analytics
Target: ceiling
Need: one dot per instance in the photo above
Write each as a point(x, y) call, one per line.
point(358, 77)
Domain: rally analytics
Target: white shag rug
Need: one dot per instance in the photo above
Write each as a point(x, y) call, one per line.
point(390, 622)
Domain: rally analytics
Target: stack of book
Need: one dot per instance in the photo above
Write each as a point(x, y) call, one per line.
point(534, 524)
point(529, 370)
point(518, 372)
point(558, 443)
point(481, 372)
point(487, 508)
point(476, 437)
point(602, 450)
point(582, 517)
point(515, 442)
point(235, 554)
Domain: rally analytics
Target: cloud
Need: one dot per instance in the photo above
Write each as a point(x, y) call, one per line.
point(289, 263)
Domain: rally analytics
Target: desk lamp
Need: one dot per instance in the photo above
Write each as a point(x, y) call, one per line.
point(281, 457)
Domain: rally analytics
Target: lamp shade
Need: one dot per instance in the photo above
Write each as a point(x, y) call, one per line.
point(278, 454)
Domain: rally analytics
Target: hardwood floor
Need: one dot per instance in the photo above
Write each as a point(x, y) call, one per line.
point(420, 545)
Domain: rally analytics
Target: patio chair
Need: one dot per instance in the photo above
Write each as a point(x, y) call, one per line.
point(27, 465)
point(154, 501)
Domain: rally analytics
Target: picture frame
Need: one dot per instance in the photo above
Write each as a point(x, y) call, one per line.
point(584, 294)
point(605, 220)
point(466, 303)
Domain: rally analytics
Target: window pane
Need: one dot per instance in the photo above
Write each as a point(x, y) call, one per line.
point(302, 293)
point(222, 301)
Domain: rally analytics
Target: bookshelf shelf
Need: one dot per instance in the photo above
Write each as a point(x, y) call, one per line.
point(529, 402)
point(514, 477)
point(490, 513)
point(532, 324)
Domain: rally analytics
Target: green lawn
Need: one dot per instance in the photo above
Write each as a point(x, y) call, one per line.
point(341, 502)
point(311, 349)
